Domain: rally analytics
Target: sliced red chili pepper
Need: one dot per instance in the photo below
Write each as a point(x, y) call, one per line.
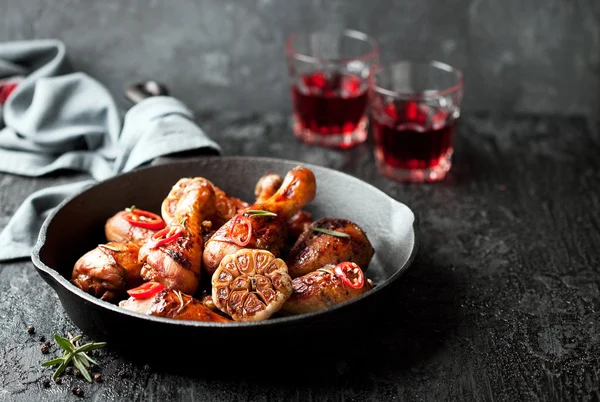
point(246, 221)
point(350, 274)
point(146, 290)
point(165, 236)
point(144, 219)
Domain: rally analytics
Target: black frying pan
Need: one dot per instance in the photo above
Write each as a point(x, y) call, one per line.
point(77, 226)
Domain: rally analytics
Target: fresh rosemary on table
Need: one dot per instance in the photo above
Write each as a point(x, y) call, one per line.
point(76, 354)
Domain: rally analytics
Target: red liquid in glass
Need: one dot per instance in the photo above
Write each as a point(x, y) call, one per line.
point(413, 136)
point(330, 104)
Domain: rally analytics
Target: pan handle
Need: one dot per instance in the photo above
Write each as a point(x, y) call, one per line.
point(135, 93)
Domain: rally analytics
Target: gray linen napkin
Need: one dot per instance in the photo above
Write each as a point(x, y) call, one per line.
point(58, 119)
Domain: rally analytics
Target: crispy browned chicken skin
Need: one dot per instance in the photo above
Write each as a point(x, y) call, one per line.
point(226, 207)
point(223, 208)
point(108, 270)
point(177, 265)
point(173, 304)
point(268, 232)
point(118, 229)
point(314, 249)
point(319, 290)
point(268, 185)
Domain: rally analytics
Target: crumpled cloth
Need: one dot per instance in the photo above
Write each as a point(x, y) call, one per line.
point(59, 119)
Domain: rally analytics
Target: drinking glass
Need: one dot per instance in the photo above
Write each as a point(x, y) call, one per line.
point(414, 108)
point(330, 72)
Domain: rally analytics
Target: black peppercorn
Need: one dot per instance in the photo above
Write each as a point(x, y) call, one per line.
point(98, 377)
point(42, 338)
point(58, 380)
point(77, 391)
point(45, 348)
point(46, 383)
point(30, 329)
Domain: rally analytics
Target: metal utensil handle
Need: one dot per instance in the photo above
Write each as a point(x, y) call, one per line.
point(138, 92)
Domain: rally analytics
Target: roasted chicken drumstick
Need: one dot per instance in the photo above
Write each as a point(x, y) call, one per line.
point(222, 209)
point(108, 270)
point(329, 241)
point(268, 185)
point(173, 255)
point(132, 225)
point(266, 231)
point(326, 287)
point(173, 304)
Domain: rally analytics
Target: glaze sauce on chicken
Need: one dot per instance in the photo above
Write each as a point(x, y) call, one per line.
point(210, 256)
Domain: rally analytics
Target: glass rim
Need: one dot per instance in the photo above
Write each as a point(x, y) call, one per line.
point(352, 33)
point(427, 94)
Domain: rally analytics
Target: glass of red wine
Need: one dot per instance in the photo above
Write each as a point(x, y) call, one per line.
point(330, 73)
point(414, 108)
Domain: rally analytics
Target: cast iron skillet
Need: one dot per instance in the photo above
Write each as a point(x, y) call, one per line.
point(77, 226)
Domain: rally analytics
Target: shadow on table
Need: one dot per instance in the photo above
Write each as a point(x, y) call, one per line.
point(410, 327)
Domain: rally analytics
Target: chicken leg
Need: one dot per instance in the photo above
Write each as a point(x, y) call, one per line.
point(177, 263)
point(268, 185)
point(266, 232)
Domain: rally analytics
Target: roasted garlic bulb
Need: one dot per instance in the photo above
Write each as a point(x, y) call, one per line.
point(251, 285)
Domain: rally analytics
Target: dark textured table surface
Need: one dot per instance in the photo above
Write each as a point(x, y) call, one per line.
point(502, 302)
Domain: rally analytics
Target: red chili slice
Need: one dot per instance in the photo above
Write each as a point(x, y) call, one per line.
point(146, 290)
point(144, 219)
point(350, 274)
point(165, 236)
point(246, 221)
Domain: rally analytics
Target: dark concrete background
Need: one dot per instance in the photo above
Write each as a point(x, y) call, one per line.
point(534, 56)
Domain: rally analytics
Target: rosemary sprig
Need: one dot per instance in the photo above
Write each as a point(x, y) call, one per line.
point(180, 297)
point(260, 212)
point(330, 232)
point(106, 246)
point(75, 353)
point(326, 270)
